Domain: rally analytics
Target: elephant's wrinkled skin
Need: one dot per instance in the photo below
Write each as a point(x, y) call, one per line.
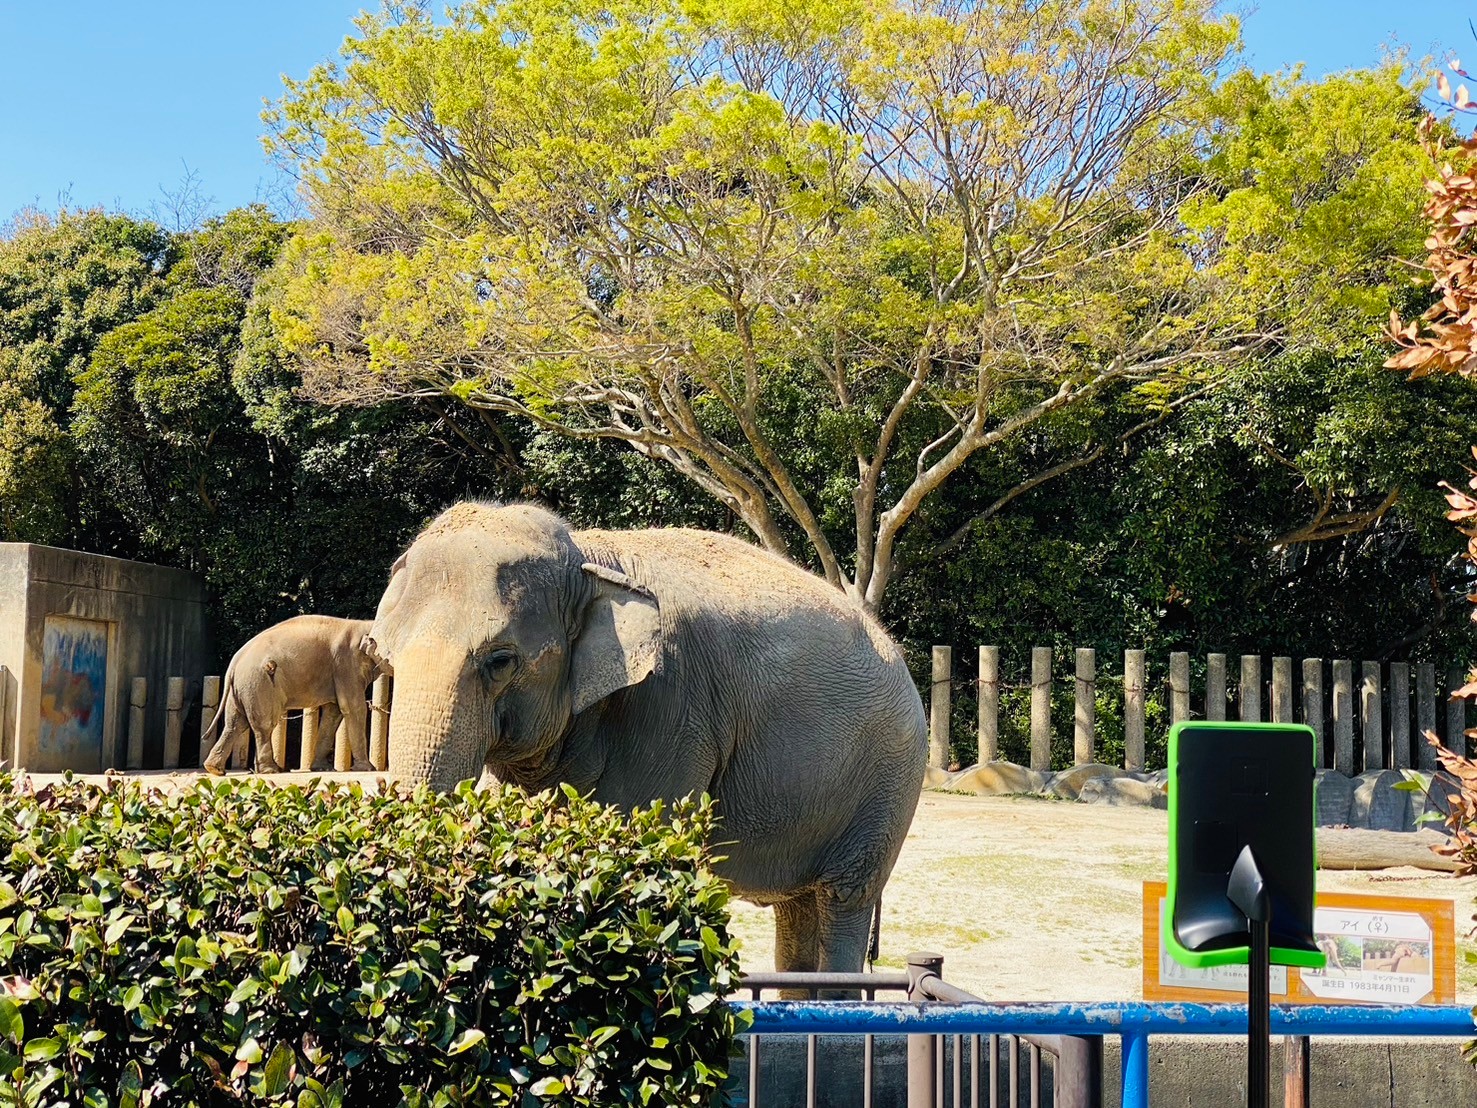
point(656, 664)
point(302, 662)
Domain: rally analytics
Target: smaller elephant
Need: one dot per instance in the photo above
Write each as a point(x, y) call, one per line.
point(302, 662)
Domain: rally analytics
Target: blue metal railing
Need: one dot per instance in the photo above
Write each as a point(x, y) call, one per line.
point(1132, 1022)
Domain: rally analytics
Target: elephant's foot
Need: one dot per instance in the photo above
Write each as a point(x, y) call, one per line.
point(268, 767)
point(215, 770)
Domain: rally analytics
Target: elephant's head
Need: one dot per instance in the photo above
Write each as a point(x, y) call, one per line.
point(499, 632)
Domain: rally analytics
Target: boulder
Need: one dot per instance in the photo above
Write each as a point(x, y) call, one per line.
point(1379, 806)
point(1068, 783)
point(1335, 794)
point(996, 779)
point(934, 777)
point(1123, 791)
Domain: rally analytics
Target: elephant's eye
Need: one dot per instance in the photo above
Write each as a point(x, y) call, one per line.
point(496, 664)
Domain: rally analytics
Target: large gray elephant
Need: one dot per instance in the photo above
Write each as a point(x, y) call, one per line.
point(302, 662)
point(655, 664)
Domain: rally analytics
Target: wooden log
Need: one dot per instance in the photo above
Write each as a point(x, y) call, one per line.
point(379, 724)
point(1313, 705)
point(1425, 715)
point(1085, 697)
point(1041, 708)
point(1371, 711)
point(1135, 691)
point(1215, 686)
point(1179, 686)
point(310, 739)
point(138, 699)
point(174, 711)
point(1456, 712)
point(1400, 715)
point(1249, 695)
point(210, 699)
point(1356, 848)
point(938, 707)
point(1281, 690)
point(1343, 717)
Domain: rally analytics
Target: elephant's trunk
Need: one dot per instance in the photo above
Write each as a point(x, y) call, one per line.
point(437, 737)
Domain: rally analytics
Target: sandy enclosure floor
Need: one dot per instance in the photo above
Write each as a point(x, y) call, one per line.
point(1033, 899)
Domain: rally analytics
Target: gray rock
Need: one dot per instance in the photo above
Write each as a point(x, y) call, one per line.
point(996, 779)
point(1068, 783)
point(1123, 791)
point(1335, 794)
point(1378, 805)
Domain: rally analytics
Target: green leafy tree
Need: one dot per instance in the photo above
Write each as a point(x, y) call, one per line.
point(931, 228)
point(65, 282)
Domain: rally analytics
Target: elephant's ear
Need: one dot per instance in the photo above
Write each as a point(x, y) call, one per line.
point(619, 637)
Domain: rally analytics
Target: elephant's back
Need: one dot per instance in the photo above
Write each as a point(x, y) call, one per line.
point(722, 578)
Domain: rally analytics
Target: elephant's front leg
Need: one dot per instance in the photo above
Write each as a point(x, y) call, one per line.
point(352, 704)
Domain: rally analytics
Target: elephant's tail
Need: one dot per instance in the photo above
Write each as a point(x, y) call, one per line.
point(874, 947)
point(228, 690)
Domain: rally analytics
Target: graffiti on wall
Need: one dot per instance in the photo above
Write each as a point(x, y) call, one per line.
point(74, 682)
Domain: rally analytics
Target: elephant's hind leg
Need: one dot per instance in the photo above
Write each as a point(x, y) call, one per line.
point(797, 939)
point(233, 730)
point(264, 722)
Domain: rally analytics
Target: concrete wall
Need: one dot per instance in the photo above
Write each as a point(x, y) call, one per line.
point(155, 629)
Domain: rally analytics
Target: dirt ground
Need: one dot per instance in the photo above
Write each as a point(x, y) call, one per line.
point(1033, 899)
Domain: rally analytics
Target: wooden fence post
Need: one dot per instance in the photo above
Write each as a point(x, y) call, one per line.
point(1041, 708)
point(310, 739)
point(1343, 716)
point(279, 743)
point(1400, 715)
point(8, 762)
point(210, 698)
point(173, 711)
point(1085, 718)
point(1372, 713)
point(1313, 706)
point(1456, 712)
point(379, 724)
point(1215, 686)
point(1135, 688)
point(1179, 686)
point(1281, 690)
point(138, 699)
point(1425, 714)
point(1249, 695)
point(938, 707)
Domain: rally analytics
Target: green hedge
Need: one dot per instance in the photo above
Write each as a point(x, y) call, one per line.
point(241, 943)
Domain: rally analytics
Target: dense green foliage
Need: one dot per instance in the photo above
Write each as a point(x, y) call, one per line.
point(152, 399)
point(238, 943)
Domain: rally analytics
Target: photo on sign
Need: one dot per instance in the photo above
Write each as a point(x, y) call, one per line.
point(1397, 956)
point(1345, 956)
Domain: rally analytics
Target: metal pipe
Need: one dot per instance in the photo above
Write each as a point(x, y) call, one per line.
point(1108, 1018)
point(1135, 1070)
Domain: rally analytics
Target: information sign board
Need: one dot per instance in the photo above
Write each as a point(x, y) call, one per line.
point(1380, 950)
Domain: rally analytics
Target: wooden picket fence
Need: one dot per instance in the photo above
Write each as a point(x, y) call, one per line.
point(1377, 708)
point(306, 724)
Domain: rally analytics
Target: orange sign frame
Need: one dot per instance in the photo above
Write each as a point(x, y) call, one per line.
point(1439, 916)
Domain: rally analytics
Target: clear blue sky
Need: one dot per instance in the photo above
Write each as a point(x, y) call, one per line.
point(105, 102)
